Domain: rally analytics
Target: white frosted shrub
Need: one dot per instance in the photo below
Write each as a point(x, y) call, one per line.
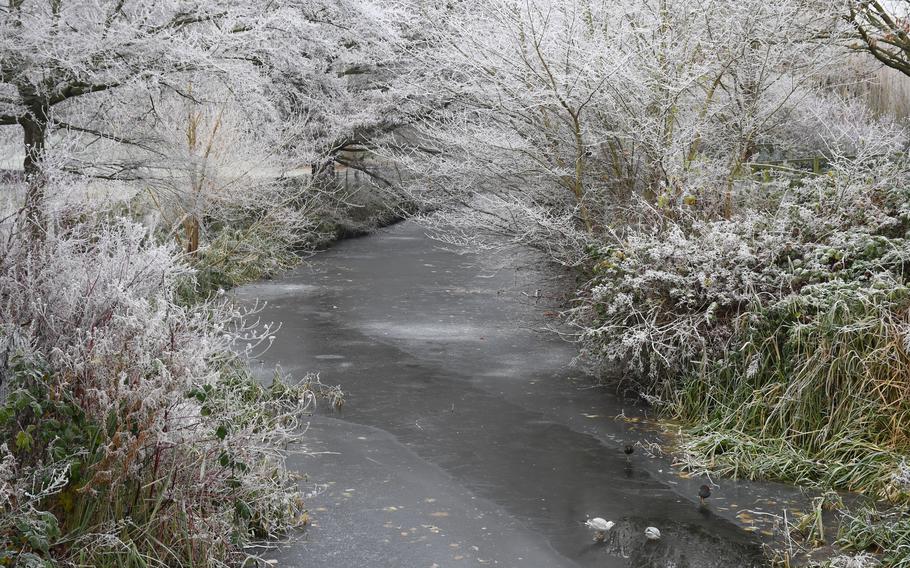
point(169, 450)
point(670, 293)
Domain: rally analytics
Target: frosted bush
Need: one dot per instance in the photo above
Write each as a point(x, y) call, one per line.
point(780, 334)
point(669, 294)
point(168, 449)
point(861, 560)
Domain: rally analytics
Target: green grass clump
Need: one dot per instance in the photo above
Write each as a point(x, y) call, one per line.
point(238, 256)
point(708, 447)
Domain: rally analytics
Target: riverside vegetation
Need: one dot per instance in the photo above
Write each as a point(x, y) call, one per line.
point(655, 149)
point(158, 144)
point(647, 145)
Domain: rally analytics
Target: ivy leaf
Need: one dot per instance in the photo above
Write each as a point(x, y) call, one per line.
point(242, 509)
point(24, 441)
point(36, 408)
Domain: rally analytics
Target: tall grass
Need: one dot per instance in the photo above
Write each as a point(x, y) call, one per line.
point(779, 337)
point(885, 532)
point(817, 394)
point(883, 90)
point(889, 93)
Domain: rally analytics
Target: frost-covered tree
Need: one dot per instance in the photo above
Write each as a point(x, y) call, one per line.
point(884, 28)
point(91, 83)
point(560, 113)
point(56, 55)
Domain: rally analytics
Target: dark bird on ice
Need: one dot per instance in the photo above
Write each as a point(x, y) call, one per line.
point(703, 493)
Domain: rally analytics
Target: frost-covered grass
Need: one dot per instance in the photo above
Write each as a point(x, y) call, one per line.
point(262, 237)
point(133, 435)
point(885, 532)
point(781, 335)
point(814, 393)
point(249, 246)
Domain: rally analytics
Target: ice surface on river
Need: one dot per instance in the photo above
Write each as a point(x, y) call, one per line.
point(467, 438)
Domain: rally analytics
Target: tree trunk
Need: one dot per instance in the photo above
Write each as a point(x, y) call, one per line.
point(191, 230)
point(34, 128)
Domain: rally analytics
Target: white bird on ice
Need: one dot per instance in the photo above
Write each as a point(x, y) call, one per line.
point(600, 526)
point(652, 533)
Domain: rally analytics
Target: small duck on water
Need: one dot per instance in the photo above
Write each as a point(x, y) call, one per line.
point(600, 527)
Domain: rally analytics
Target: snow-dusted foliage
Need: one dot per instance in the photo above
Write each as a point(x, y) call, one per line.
point(100, 69)
point(792, 312)
point(130, 426)
point(200, 108)
point(561, 114)
point(669, 293)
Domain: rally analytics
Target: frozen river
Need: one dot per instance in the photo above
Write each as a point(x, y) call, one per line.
point(467, 438)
